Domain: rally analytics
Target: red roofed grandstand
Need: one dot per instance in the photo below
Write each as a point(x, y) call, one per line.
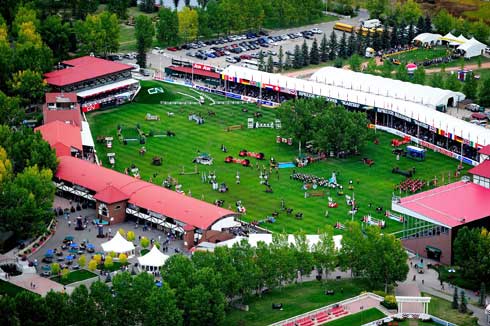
point(117, 194)
point(65, 138)
point(433, 218)
point(62, 107)
point(97, 82)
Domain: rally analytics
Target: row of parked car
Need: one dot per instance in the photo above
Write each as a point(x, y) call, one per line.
point(263, 41)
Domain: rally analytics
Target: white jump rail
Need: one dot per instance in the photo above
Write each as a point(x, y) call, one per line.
point(313, 313)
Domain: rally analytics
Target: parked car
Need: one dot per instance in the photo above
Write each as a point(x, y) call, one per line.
point(173, 49)
point(473, 107)
point(230, 60)
point(316, 31)
point(246, 57)
point(273, 53)
point(46, 273)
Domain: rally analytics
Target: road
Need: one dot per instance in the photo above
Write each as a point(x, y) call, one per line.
point(156, 60)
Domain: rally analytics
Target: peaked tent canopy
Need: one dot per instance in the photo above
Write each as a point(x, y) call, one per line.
point(459, 40)
point(427, 39)
point(449, 37)
point(119, 245)
point(153, 259)
point(472, 48)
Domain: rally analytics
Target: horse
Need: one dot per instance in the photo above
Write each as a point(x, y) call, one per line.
point(170, 133)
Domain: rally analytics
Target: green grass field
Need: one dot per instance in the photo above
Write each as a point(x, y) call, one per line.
point(296, 299)
point(74, 276)
point(10, 289)
point(358, 319)
point(375, 186)
point(442, 309)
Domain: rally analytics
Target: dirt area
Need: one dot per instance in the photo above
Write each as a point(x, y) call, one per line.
point(455, 7)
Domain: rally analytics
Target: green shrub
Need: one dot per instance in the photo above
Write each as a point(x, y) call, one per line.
point(389, 302)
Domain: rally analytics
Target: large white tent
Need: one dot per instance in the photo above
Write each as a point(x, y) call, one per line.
point(428, 39)
point(119, 245)
point(449, 37)
point(407, 107)
point(388, 87)
point(458, 41)
point(153, 260)
point(472, 48)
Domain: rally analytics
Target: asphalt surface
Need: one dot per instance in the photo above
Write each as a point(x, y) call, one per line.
point(156, 60)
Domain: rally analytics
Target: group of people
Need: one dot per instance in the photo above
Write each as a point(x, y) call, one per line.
point(315, 181)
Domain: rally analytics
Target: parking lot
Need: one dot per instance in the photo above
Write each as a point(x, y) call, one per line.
point(249, 47)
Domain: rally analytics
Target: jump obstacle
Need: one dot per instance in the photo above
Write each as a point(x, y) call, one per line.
point(283, 140)
point(251, 124)
point(234, 127)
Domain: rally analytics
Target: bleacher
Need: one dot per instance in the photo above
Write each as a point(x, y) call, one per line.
point(411, 185)
point(318, 318)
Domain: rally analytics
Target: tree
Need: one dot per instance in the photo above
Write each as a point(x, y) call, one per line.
point(57, 309)
point(98, 34)
point(385, 39)
point(123, 259)
point(188, 24)
point(401, 73)
point(419, 76)
point(444, 22)
point(410, 12)
point(305, 54)
point(270, 64)
point(332, 46)
point(56, 35)
point(24, 14)
point(470, 86)
point(463, 308)
point(10, 112)
point(394, 36)
point(122, 232)
point(437, 80)
point(262, 66)
point(118, 7)
point(324, 253)
point(162, 307)
point(376, 7)
point(355, 62)
point(30, 52)
point(98, 259)
point(82, 261)
point(55, 268)
point(92, 265)
point(102, 298)
point(144, 32)
point(420, 25)
point(324, 49)
point(353, 253)
point(351, 45)
point(411, 33)
point(455, 302)
point(167, 27)
point(298, 57)
point(483, 295)
point(289, 62)
point(480, 30)
point(483, 93)
point(108, 263)
point(314, 53)
point(147, 6)
point(371, 67)
point(144, 242)
point(28, 85)
point(452, 82)
point(130, 236)
point(428, 24)
point(343, 46)
point(281, 59)
point(64, 274)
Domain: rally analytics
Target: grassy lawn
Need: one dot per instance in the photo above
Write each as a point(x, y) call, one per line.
point(375, 186)
point(74, 276)
point(442, 309)
point(296, 299)
point(415, 322)
point(10, 289)
point(358, 319)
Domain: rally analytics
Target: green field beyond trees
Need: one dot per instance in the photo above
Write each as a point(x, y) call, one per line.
point(376, 183)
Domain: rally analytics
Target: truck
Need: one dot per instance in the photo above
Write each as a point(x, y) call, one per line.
point(371, 23)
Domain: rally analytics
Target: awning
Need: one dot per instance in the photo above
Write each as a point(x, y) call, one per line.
point(87, 139)
point(198, 72)
point(433, 249)
point(107, 88)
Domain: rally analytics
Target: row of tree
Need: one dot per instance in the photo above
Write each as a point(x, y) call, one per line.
point(27, 163)
point(332, 127)
point(197, 291)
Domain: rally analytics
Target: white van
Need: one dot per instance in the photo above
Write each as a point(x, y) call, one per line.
point(371, 23)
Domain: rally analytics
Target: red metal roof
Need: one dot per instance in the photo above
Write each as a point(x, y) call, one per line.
point(482, 169)
point(110, 195)
point(52, 97)
point(485, 150)
point(72, 116)
point(453, 205)
point(58, 133)
point(141, 193)
point(83, 68)
point(200, 72)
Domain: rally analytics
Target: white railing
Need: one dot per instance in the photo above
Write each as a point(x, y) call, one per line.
point(326, 308)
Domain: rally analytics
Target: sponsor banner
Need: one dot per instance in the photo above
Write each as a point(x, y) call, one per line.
point(309, 95)
point(202, 67)
point(272, 87)
point(169, 80)
point(421, 124)
point(209, 90)
point(249, 99)
point(90, 107)
point(233, 95)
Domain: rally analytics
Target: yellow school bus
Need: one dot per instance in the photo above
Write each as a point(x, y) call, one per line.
point(344, 27)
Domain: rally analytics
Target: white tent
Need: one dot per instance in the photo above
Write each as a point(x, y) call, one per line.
point(153, 260)
point(458, 41)
point(472, 48)
point(449, 37)
point(119, 245)
point(427, 39)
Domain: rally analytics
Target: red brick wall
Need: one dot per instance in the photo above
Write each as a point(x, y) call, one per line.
point(117, 211)
point(189, 239)
point(442, 241)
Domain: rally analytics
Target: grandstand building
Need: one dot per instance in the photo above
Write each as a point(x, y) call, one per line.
point(434, 217)
point(98, 83)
